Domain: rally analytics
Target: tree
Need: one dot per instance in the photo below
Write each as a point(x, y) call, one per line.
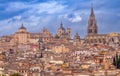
point(2, 75)
point(56, 36)
point(15, 74)
point(116, 61)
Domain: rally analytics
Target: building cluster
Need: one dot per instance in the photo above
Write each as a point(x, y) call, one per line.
point(43, 54)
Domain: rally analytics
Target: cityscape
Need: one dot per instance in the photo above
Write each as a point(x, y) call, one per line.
point(63, 52)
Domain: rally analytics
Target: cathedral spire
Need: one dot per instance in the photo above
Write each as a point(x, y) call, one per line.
point(61, 26)
point(92, 24)
point(92, 10)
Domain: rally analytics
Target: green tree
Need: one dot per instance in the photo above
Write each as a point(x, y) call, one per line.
point(116, 61)
point(15, 74)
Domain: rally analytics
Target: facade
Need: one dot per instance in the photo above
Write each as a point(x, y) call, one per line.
point(24, 38)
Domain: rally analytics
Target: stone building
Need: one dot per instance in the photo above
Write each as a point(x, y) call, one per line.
point(93, 38)
point(113, 39)
point(63, 33)
point(60, 49)
point(22, 37)
point(77, 40)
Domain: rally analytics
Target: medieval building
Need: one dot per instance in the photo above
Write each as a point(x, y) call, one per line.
point(93, 37)
point(23, 37)
point(63, 33)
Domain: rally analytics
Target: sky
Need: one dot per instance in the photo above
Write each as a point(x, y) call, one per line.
point(36, 14)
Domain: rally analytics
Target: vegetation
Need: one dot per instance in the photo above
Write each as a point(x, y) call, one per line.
point(2, 75)
point(15, 74)
point(57, 37)
point(116, 61)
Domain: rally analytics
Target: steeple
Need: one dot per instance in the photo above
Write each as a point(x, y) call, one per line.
point(61, 26)
point(92, 10)
point(77, 37)
point(92, 24)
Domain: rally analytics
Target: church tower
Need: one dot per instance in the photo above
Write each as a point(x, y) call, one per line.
point(61, 30)
point(92, 24)
point(77, 40)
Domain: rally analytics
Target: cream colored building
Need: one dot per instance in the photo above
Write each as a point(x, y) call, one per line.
point(22, 37)
point(60, 49)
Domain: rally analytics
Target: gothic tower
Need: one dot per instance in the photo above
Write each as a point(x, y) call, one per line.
point(92, 24)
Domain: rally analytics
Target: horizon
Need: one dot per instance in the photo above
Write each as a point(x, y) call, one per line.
point(49, 13)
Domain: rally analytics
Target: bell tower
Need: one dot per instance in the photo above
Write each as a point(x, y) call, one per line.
point(92, 24)
point(61, 30)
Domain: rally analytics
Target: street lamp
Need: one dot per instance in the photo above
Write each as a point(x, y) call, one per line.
point(40, 41)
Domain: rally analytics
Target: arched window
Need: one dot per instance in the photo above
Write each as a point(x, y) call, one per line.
point(90, 30)
point(95, 30)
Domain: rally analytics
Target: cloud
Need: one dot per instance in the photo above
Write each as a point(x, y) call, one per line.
point(76, 18)
point(72, 17)
point(17, 17)
point(49, 7)
point(75, 14)
point(34, 18)
point(16, 6)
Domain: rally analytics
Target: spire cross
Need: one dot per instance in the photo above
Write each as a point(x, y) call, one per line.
point(92, 12)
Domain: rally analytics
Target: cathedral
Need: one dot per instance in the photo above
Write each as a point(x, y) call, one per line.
point(23, 37)
point(94, 38)
point(63, 33)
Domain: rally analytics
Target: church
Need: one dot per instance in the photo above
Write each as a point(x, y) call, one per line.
point(23, 37)
point(94, 38)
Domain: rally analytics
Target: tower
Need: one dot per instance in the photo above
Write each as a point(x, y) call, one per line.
point(68, 31)
point(22, 35)
point(45, 31)
point(61, 30)
point(77, 39)
point(92, 24)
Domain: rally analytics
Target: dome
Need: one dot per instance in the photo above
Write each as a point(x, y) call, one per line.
point(22, 27)
point(61, 26)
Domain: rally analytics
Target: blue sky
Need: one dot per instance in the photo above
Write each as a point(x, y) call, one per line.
point(35, 14)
